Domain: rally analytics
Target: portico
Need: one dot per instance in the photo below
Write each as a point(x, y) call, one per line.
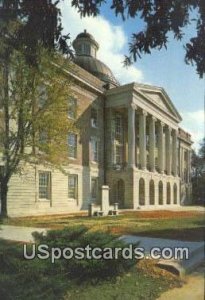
point(149, 147)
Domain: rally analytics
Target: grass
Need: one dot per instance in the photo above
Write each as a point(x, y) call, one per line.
point(165, 224)
point(23, 279)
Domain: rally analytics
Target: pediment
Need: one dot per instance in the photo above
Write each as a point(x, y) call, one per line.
point(160, 99)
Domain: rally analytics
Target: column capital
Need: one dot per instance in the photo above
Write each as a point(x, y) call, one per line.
point(162, 124)
point(133, 106)
point(168, 128)
point(143, 112)
point(175, 132)
point(153, 118)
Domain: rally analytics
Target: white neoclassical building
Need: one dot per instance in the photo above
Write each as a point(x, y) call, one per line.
point(148, 155)
point(129, 140)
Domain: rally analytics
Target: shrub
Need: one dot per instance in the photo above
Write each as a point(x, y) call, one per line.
point(84, 269)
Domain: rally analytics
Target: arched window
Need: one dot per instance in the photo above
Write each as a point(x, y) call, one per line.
point(175, 193)
point(160, 193)
point(168, 193)
point(151, 192)
point(142, 191)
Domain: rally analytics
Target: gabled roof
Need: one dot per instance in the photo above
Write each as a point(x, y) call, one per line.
point(159, 98)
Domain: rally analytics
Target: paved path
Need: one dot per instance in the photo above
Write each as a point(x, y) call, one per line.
point(18, 233)
point(185, 256)
point(193, 289)
point(200, 209)
point(148, 242)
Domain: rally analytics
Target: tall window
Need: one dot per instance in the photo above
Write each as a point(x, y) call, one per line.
point(94, 188)
point(118, 154)
point(94, 118)
point(94, 149)
point(72, 108)
point(86, 49)
point(72, 145)
point(73, 186)
point(45, 185)
point(118, 142)
point(118, 128)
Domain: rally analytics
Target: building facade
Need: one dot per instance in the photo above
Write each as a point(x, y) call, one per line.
point(129, 139)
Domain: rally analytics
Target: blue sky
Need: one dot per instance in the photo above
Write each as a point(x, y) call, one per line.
point(165, 68)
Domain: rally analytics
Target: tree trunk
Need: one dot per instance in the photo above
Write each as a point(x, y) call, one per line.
point(4, 192)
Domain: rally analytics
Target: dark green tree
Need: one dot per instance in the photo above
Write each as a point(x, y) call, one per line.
point(39, 23)
point(202, 149)
point(198, 174)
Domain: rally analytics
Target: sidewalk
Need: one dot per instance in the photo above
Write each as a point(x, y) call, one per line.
point(193, 289)
point(19, 233)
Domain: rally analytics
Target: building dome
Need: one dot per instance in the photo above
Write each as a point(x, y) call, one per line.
point(86, 49)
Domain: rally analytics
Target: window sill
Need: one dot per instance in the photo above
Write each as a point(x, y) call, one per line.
point(94, 162)
point(44, 200)
point(72, 199)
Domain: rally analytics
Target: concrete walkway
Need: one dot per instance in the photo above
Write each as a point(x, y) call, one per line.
point(19, 233)
point(193, 289)
point(193, 253)
point(182, 265)
point(200, 209)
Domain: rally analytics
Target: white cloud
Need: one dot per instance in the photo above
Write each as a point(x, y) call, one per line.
point(111, 39)
point(193, 122)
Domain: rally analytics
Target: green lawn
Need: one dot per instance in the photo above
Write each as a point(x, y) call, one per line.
point(176, 225)
point(21, 279)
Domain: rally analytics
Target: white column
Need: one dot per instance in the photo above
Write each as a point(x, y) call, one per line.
point(156, 193)
point(178, 194)
point(109, 145)
point(168, 150)
point(131, 135)
point(174, 153)
point(189, 165)
point(161, 148)
point(146, 192)
point(152, 143)
point(171, 193)
point(142, 131)
point(182, 163)
point(164, 193)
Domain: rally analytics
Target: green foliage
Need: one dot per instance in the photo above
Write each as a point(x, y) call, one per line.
point(86, 269)
point(23, 279)
point(40, 23)
point(34, 101)
point(202, 150)
point(198, 175)
point(38, 102)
